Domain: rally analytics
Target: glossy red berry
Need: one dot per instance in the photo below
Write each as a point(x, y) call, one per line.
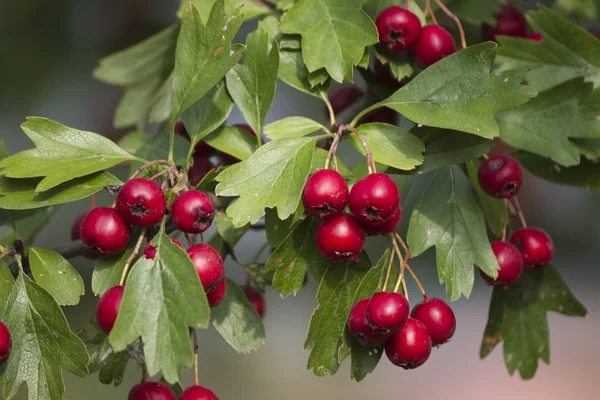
point(150, 252)
point(535, 245)
point(343, 97)
point(374, 198)
point(76, 228)
point(387, 312)
point(198, 393)
point(216, 296)
point(536, 37)
point(108, 308)
point(510, 262)
point(208, 264)
point(341, 239)
point(151, 391)
point(5, 343)
point(384, 75)
point(141, 202)
point(103, 231)
point(325, 194)
point(410, 347)
point(438, 317)
point(360, 329)
point(510, 22)
point(192, 212)
point(256, 299)
point(435, 43)
point(388, 226)
point(500, 176)
point(399, 29)
point(198, 170)
point(382, 115)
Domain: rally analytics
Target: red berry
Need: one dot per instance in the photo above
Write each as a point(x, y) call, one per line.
point(341, 239)
point(229, 159)
point(510, 22)
point(208, 264)
point(435, 44)
point(535, 245)
point(76, 228)
point(536, 37)
point(216, 296)
point(202, 149)
point(198, 170)
point(399, 29)
point(151, 391)
point(387, 312)
point(180, 130)
point(177, 243)
point(510, 262)
point(325, 194)
point(374, 198)
point(198, 393)
point(384, 75)
point(5, 343)
point(438, 317)
point(500, 176)
point(108, 308)
point(382, 115)
point(192, 212)
point(150, 252)
point(141, 202)
point(103, 231)
point(359, 327)
point(409, 347)
point(388, 226)
point(343, 97)
point(256, 299)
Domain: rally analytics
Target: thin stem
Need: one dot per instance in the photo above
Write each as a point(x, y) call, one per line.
point(456, 20)
point(334, 146)
point(171, 140)
point(429, 11)
point(6, 253)
point(259, 139)
point(201, 237)
point(136, 249)
point(164, 171)
point(519, 211)
point(195, 339)
point(329, 108)
point(403, 265)
point(364, 112)
point(389, 272)
point(93, 201)
point(189, 240)
point(417, 281)
point(404, 246)
point(505, 223)
point(370, 163)
point(18, 259)
point(407, 5)
point(145, 166)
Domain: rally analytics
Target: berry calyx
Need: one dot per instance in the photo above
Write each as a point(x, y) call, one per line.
point(510, 262)
point(198, 170)
point(435, 44)
point(216, 296)
point(108, 308)
point(256, 299)
point(5, 343)
point(510, 22)
point(198, 393)
point(410, 347)
point(325, 194)
point(388, 226)
point(103, 231)
point(360, 329)
point(141, 202)
point(208, 264)
point(341, 239)
point(500, 176)
point(438, 317)
point(151, 391)
point(343, 97)
point(399, 29)
point(387, 312)
point(535, 245)
point(374, 199)
point(76, 228)
point(192, 212)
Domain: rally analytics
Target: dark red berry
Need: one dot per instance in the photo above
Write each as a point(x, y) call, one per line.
point(76, 228)
point(410, 347)
point(202, 149)
point(510, 22)
point(510, 262)
point(500, 176)
point(359, 327)
point(5, 343)
point(108, 308)
point(325, 194)
point(150, 252)
point(388, 226)
point(198, 393)
point(536, 246)
point(216, 296)
point(208, 264)
point(399, 29)
point(141, 202)
point(229, 159)
point(192, 212)
point(382, 115)
point(536, 37)
point(387, 312)
point(341, 239)
point(103, 231)
point(256, 299)
point(343, 97)
point(384, 75)
point(198, 170)
point(180, 130)
point(438, 317)
point(374, 198)
point(151, 391)
point(435, 44)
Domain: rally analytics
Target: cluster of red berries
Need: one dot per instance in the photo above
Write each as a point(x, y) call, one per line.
point(510, 22)
point(501, 176)
point(160, 391)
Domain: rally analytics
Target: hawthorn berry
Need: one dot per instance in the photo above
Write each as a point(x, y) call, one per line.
point(500, 176)
point(5, 343)
point(76, 228)
point(256, 299)
point(103, 231)
point(388, 226)
point(399, 29)
point(360, 329)
point(198, 393)
point(341, 239)
point(535, 245)
point(149, 252)
point(387, 312)
point(325, 194)
point(151, 391)
point(510, 22)
point(108, 308)
point(343, 97)
point(374, 199)
point(216, 296)
point(510, 262)
point(141, 202)
point(438, 317)
point(192, 212)
point(435, 43)
point(208, 264)
point(198, 170)
point(410, 347)
point(384, 75)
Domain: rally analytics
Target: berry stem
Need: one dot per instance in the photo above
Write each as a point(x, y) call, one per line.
point(505, 222)
point(148, 165)
point(403, 264)
point(195, 340)
point(329, 108)
point(171, 140)
point(404, 246)
point(407, 5)
point(190, 242)
point(94, 200)
point(421, 289)
point(389, 272)
point(370, 163)
point(456, 20)
point(164, 171)
point(136, 249)
point(333, 148)
point(429, 11)
point(201, 237)
point(517, 205)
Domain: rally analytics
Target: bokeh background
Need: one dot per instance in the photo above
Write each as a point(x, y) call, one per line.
point(48, 51)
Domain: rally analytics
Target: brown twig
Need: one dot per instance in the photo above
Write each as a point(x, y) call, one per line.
point(517, 205)
point(429, 11)
point(456, 20)
point(195, 340)
point(333, 148)
point(389, 272)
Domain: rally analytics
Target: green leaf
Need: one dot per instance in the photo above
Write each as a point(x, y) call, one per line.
point(292, 127)
point(6, 284)
point(42, 344)
point(133, 107)
point(252, 85)
point(251, 9)
point(154, 147)
point(272, 177)
point(237, 322)
point(163, 297)
point(293, 71)
point(319, 157)
point(390, 145)
point(204, 54)
point(55, 274)
point(449, 216)
point(400, 65)
point(334, 34)
point(586, 174)
point(475, 11)
point(276, 229)
point(492, 207)
point(517, 316)
point(230, 234)
point(108, 270)
point(13, 216)
point(160, 109)
point(589, 148)
point(208, 183)
point(62, 154)
point(232, 140)
point(256, 271)
point(28, 228)
point(374, 7)
point(578, 9)
point(459, 93)
point(3, 152)
point(111, 368)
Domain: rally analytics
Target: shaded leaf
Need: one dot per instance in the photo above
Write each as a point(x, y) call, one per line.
point(585, 175)
point(291, 127)
point(6, 284)
point(293, 71)
point(276, 229)
point(28, 228)
point(492, 207)
point(232, 140)
point(228, 232)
